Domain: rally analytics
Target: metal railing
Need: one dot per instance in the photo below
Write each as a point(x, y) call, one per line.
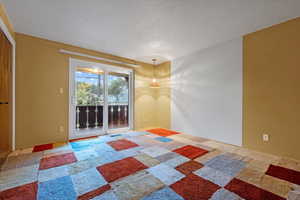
point(91, 116)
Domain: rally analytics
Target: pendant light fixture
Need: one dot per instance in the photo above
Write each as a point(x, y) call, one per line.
point(154, 83)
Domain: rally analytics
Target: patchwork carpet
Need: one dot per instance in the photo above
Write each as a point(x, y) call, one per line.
point(154, 165)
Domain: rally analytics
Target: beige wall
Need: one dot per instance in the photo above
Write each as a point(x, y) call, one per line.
point(272, 89)
point(41, 70)
point(162, 95)
point(5, 19)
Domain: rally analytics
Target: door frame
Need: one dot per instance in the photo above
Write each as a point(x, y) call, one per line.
point(11, 39)
point(73, 63)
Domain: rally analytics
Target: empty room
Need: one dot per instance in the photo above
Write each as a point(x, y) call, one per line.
point(149, 100)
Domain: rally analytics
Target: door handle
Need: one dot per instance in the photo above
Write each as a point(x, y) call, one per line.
point(3, 102)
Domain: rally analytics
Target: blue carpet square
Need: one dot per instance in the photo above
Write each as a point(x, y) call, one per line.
point(215, 176)
point(87, 181)
point(163, 194)
point(226, 164)
point(108, 154)
point(57, 189)
point(163, 139)
point(82, 145)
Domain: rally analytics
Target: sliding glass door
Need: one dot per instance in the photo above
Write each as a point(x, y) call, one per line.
point(100, 99)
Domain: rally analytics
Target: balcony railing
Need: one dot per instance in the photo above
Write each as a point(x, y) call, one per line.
point(91, 116)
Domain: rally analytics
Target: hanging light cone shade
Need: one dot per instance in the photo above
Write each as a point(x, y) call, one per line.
point(154, 83)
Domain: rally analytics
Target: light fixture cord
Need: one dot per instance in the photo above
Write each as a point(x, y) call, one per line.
point(154, 60)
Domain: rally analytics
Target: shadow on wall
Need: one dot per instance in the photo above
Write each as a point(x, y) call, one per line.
point(206, 97)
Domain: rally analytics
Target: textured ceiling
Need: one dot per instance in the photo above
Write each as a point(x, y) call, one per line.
point(143, 29)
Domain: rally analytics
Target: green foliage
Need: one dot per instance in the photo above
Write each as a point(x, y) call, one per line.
point(91, 94)
point(116, 88)
point(87, 94)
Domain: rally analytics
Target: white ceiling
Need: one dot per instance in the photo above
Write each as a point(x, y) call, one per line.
point(143, 29)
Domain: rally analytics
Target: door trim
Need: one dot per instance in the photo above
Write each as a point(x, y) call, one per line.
point(5, 30)
point(76, 62)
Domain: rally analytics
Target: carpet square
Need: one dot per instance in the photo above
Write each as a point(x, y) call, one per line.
point(122, 144)
point(167, 156)
point(60, 188)
point(178, 160)
point(163, 139)
point(131, 152)
point(189, 167)
point(53, 173)
point(17, 177)
point(194, 187)
point(277, 186)
point(249, 191)
point(214, 176)
point(23, 160)
point(166, 174)
point(23, 192)
point(42, 147)
point(210, 155)
point(87, 181)
point(173, 145)
point(190, 151)
point(166, 194)
point(26, 150)
point(155, 151)
point(58, 150)
point(121, 168)
point(80, 166)
point(144, 141)
point(81, 145)
point(102, 148)
point(109, 195)
point(223, 194)
point(136, 133)
point(58, 160)
point(290, 175)
point(136, 186)
point(86, 154)
point(226, 164)
point(163, 132)
point(147, 160)
point(109, 156)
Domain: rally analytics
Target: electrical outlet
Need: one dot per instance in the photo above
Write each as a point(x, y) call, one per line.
point(61, 129)
point(265, 137)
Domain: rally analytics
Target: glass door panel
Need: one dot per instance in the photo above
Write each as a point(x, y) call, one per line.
point(100, 99)
point(89, 94)
point(118, 100)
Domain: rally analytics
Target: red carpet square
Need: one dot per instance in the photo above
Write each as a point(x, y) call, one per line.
point(284, 174)
point(42, 147)
point(162, 132)
point(190, 151)
point(94, 193)
point(120, 168)
point(23, 192)
point(58, 160)
point(250, 192)
point(122, 144)
point(193, 187)
point(189, 167)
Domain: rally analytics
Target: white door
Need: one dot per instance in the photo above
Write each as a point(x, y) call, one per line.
point(100, 99)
